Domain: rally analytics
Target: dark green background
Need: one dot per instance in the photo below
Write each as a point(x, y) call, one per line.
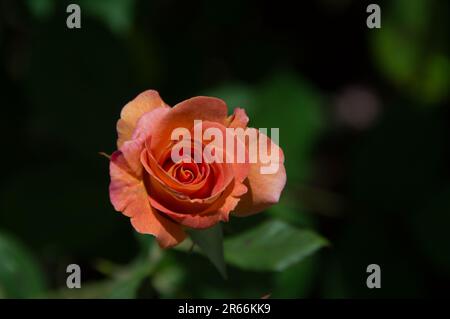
point(363, 119)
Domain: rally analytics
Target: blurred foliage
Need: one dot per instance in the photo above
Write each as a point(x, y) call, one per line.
point(116, 14)
point(409, 48)
point(378, 194)
point(20, 276)
point(123, 281)
point(41, 9)
point(435, 243)
point(286, 102)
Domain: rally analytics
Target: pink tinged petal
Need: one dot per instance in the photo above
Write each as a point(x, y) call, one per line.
point(129, 196)
point(184, 114)
point(240, 170)
point(133, 110)
point(132, 148)
point(155, 170)
point(238, 119)
point(130, 156)
point(264, 190)
point(197, 221)
point(232, 200)
point(149, 123)
point(218, 211)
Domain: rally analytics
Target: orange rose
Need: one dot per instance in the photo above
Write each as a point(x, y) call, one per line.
point(163, 197)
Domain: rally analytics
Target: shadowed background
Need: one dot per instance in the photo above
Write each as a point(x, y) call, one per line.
point(364, 124)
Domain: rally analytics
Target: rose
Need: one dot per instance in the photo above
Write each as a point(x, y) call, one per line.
point(163, 198)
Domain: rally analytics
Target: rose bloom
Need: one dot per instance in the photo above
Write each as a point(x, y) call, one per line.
point(163, 198)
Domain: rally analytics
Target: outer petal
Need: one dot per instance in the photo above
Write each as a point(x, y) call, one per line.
point(133, 110)
point(264, 190)
point(184, 114)
point(238, 119)
point(128, 195)
point(149, 123)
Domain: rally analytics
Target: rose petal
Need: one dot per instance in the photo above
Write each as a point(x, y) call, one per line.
point(149, 123)
point(218, 211)
point(184, 114)
point(176, 200)
point(133, 110)
point(129, 196)
point(238, 119)
point(240, 170)
point(156, 171)
point(264, 190)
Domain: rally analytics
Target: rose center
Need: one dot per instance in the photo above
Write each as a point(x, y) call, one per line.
point(184, 175)
point(184, 172)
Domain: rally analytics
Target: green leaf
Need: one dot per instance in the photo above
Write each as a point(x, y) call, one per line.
point(210, 241)
point(271, 246)
point(20, 276)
